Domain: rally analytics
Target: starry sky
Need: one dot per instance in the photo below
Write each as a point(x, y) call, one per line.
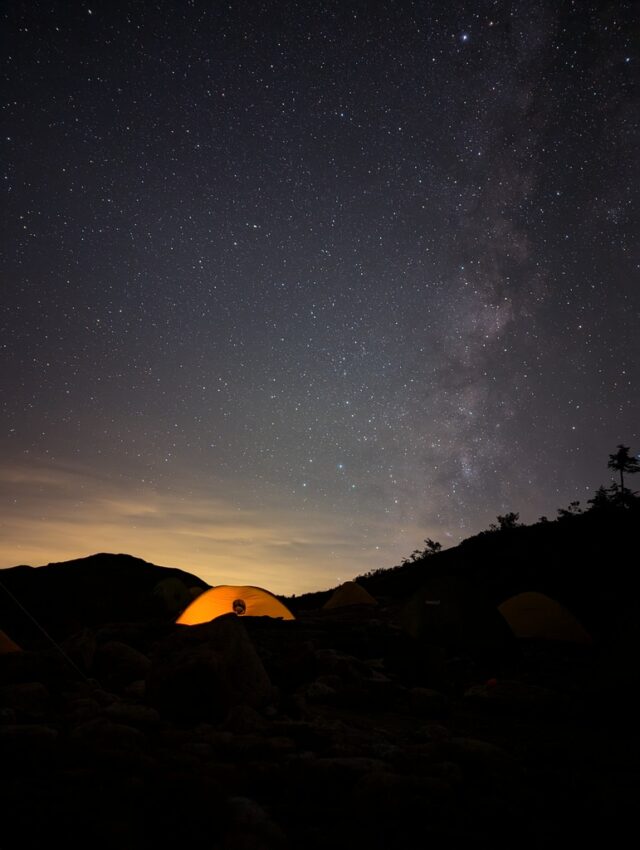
point(288, 287)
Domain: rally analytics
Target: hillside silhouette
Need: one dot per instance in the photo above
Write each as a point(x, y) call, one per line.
point(582, 559)
point(102, 588)
point(338, 728)
point(585, 560)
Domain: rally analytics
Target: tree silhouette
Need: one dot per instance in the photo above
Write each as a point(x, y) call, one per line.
point(602, 499)
point(432, 546)
point(621, 462)
point(573, 510)
point(506, 522)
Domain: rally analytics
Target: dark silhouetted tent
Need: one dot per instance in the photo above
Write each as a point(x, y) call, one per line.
point(455, 615)
point(173, 595)
point(349, 593)
point(231, 599)
point(535, 615)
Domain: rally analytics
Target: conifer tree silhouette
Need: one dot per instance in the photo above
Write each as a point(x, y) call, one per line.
point(622, 462)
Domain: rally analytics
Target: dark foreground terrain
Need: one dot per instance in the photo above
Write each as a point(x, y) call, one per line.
point(334, 730)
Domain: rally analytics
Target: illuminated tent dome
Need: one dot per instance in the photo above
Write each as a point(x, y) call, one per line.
point(349, 593)
point(231, 599)
point(534, 615)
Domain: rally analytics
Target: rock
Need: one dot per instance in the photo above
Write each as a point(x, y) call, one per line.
point(50, 667)
point(7, 716)
point(118, 664)
point(418, 759)
point(113, 750)
point(428, 701)
point(345, 667)
point(104, 698)
point(82, 709)
point(243, 719)
point(432, 732)
point(306, 735)
point(26, 745)
point(318, 691)
point(135, 690)
point(29, 700)
point(398, 796)
point(81, 649)
point(248, 826)
point(140, 717)
point(102, 735)
point(503, 694)
point(201, 671)
point(472, 749)
point(483, 763)
point(339, 774)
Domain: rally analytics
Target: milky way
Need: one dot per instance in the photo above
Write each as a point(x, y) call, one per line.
point(288, 288)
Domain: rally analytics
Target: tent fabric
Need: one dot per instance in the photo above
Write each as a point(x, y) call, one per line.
point(453, 614)
point(172, 594)
point(243, 600)
point(535, 615)
point(8, 645)
point(350, 593)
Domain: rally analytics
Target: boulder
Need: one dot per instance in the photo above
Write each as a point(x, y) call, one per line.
point(200, 672)
point(118, 664)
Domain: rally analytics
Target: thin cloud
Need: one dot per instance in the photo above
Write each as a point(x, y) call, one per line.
point(59, 514)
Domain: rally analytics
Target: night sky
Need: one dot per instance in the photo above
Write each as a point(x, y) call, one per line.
point(289, 287)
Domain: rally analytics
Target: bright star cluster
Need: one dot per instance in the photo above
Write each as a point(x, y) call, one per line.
point(289, 287)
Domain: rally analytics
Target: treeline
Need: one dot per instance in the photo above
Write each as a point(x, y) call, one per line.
point(579, 557)
point(614, 498)
point(568, 557)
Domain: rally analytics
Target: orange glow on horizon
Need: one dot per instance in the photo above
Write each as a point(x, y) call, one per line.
point(62, 514)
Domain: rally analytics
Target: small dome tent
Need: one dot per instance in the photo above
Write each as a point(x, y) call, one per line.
point(172, 595)
point(535, 615)
point(457, 616)
point(349, 593)
point(233, 599)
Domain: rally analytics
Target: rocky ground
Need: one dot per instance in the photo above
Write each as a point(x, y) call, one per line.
point(333, 730)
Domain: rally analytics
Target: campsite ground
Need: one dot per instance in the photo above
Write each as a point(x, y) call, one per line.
point(330, 730)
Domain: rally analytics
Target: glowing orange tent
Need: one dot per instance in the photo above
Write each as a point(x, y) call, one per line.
point(231, 599)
